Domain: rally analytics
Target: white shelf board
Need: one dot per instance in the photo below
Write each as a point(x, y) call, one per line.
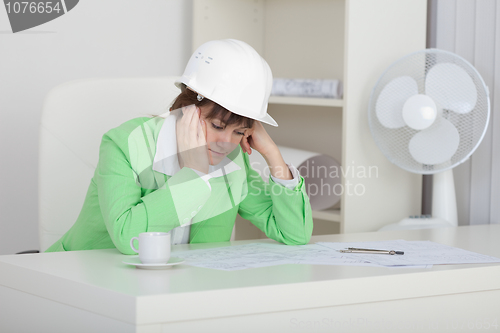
point(306, 101)
point(327, 215)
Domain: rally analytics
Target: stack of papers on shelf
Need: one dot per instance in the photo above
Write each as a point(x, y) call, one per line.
point(418, 254)
point(307, 88)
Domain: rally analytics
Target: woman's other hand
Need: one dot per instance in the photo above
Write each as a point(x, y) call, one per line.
point(257, 138)
point(191, 140)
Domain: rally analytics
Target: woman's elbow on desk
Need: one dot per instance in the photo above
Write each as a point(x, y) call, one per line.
point(123, 245)
point(297, 241)
point(301, 236)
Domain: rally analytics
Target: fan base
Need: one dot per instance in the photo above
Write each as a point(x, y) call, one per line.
point(418, 222)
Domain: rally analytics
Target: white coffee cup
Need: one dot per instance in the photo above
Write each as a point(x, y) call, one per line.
point(154, 247)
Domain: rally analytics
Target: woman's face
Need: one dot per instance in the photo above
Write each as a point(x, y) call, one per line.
point(221, 139)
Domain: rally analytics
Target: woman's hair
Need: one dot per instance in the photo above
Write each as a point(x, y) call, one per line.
point(189, 97)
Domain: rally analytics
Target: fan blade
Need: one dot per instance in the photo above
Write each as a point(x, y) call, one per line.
point(389, 107)
point(436, 144)
point(451, 87)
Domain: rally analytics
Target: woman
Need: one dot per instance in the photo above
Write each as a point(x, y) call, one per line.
point(188, 173)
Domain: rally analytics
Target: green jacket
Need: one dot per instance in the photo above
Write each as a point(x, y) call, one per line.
point(127, 197)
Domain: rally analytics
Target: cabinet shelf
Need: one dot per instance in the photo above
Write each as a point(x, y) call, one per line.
point(332, 215)
point(306, 101)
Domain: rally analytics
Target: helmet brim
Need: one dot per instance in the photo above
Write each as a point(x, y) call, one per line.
point(267, 119)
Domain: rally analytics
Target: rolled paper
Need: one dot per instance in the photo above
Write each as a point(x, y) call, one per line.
point(307, 88)
point(321, 174)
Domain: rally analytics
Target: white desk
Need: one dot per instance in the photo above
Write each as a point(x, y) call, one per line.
point(92, 291)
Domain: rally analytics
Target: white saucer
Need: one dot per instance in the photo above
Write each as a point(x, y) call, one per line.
point(135, 261)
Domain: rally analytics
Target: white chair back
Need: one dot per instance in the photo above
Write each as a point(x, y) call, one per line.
point(75, 116)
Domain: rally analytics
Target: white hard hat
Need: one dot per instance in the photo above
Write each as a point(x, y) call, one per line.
point(232, 74)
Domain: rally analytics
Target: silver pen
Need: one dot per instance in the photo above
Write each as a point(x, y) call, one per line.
point(371, 251)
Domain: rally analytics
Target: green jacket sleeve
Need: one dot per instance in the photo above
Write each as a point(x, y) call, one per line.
point(128, 208)
point(282, 214)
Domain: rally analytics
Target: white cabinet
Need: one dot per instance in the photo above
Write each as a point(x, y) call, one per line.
point(351, 40)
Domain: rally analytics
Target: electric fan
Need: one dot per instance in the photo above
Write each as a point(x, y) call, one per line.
point(428, 112)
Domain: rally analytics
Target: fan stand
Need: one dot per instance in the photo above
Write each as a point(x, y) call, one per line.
point(444, 207)
point(444, 202)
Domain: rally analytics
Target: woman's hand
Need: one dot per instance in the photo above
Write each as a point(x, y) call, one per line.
point(258, 139)
point(191, 140)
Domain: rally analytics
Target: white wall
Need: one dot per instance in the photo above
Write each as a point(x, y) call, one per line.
point(112, 38)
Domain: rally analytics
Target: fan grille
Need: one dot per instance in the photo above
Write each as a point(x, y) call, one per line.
point(471, 126)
